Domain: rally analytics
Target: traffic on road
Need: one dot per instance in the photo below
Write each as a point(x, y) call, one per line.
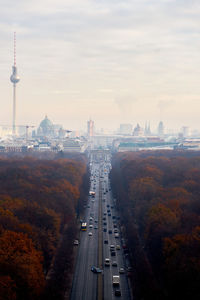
point(101, 264)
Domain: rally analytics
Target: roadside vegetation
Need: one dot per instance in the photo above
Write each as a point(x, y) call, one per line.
point(158, 197)
point(39, 201)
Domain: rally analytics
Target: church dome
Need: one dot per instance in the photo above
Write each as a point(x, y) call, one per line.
point(46, 123)
point(46, 127)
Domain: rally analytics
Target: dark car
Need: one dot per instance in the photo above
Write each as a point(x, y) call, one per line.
point(106, 242)
point(117, 293)
point(110, 231)
point(113, 253)
point(105, 230)
point(96, 269)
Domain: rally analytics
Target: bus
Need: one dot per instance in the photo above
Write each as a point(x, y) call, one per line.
point(83, 226)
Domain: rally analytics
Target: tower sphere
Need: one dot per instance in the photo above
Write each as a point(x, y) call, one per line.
point(14, 78)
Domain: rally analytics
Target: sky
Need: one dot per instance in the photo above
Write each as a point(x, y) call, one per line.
point(114, 61)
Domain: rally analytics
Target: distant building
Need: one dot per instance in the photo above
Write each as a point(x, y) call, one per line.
point(147, 130)
point(161, 129)
point(125, 129)
point(185, 131)
point(5, 131)
point(138, 131)
point(48, 129)
point(90, 128)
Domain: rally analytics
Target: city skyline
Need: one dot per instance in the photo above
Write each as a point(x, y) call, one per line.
point(116, 61)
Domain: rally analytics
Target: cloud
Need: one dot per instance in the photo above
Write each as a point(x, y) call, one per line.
point(101, 48)
point(125, 103)
point(164, 105)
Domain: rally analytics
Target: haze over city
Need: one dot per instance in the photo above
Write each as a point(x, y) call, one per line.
point(113, 61)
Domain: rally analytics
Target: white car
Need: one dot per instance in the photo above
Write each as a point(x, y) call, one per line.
point(121, 271)
point(90, 233)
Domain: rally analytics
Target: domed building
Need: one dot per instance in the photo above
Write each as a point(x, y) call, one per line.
point(46, 128)
point(138, 131)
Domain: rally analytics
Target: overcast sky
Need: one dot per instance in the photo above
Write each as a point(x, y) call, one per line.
point(115, 61)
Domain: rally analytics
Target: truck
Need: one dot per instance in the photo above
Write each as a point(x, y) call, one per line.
point(116, 280)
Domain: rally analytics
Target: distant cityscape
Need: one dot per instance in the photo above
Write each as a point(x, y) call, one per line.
point(48, 136)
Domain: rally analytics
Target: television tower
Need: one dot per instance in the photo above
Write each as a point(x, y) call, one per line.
point(14, 78)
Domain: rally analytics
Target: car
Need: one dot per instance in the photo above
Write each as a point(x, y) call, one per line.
point(95, 227)
point(110, 231)
point(108, 205)
point(107, 262)
point(118, 247)
point(104, 223)
point(104, 218)
point(116, 235)
point(113, 253)
point(90, 233)
point(96, 269)
point(109, 214)
point(112, 247)
point(121, 271)
point(90, 226)
point(106, 242)
point(114, 264)
point(117, 293)
point(76, 242)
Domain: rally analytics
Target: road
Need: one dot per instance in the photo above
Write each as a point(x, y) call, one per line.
point(101, 216)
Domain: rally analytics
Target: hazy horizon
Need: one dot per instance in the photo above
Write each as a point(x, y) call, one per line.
point(112, 61)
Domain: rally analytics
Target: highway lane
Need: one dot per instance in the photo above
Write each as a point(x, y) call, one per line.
point(85, 282)
point(111, 217)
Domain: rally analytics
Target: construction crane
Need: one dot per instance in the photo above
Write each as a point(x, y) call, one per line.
point(21, 126)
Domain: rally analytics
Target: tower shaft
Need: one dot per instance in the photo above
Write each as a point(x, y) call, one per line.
point(14, 110)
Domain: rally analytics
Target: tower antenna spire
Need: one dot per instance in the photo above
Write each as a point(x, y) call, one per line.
point(14, 78)
point(15, 49)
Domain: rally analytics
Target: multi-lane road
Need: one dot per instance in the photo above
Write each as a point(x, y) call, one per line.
point(94, 246)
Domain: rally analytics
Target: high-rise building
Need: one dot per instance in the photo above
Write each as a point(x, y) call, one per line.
point(90, 128)
point(147, 130)
point(126, 129)
point(185, 131)
point(161, 129)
